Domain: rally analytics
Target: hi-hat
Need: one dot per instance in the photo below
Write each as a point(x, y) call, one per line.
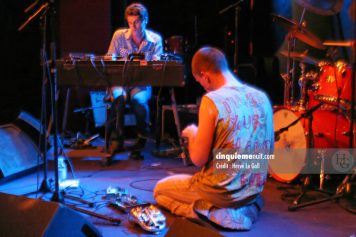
point(301, 57)
point(324, 7)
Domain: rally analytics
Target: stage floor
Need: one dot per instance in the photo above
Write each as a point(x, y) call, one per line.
point(140, 176)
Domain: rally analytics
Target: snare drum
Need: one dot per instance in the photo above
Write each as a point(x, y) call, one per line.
point(329, 131)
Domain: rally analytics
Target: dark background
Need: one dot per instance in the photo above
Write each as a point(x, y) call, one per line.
point(87, 26)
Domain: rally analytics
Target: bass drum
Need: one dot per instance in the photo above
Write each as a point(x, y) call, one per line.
point(329, 131)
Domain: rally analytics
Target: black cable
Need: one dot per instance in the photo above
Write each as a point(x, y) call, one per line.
point(132, 184)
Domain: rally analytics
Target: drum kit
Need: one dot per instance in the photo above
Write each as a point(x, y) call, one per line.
point(175, 48)
point(322, 117)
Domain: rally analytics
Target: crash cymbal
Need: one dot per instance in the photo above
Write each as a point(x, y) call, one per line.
point(324, 7)
point(301, 57)
point(307, 37)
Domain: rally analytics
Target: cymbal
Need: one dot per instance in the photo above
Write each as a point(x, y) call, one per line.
point(301, 57)
point(296, 31)
point(286, 23)
point(307, 37)
point(324, 7)
point(337, 43)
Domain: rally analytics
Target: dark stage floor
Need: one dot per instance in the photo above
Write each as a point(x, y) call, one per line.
point(140, 177)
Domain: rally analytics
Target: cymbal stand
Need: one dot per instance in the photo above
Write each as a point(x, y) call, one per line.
point(341, 192)
point(287, 76)
point(290, 74)
point(303, 88)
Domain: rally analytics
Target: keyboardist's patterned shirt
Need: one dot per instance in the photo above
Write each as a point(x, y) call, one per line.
point(123, 45)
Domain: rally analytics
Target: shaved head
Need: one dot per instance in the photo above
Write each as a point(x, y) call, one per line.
point(209, 59)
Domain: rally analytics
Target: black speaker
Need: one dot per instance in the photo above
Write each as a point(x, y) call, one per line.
point(185, 228)
point(19, 152)
point(21, 217)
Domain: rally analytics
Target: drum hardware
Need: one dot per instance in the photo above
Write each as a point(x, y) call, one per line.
point(292, 143)
point(343, 190)
point(296, 30)
point(306, 77)
point(310, 140)
point(333, 85)
point(301, 57)
point(303, 88)
point(319, 134)
point(306, 114)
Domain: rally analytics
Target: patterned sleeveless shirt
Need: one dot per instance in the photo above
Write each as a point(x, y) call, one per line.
point(245, 125)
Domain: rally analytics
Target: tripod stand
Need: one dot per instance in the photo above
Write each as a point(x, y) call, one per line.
point(341, 192)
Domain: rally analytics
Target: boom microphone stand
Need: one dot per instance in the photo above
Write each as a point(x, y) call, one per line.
point(48, 9)
point(57, 197)
point(42, 12)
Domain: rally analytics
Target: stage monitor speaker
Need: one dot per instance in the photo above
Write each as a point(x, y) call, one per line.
point(185, 228)
point(21, 217)
point(18, 147)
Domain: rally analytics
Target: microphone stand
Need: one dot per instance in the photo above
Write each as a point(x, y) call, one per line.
point(49, 7)
point(237, 8)
point(57, 196)
point(308, 113)
point(42, 12)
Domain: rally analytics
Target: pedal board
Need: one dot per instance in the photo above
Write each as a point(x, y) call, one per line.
point(146, 215)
